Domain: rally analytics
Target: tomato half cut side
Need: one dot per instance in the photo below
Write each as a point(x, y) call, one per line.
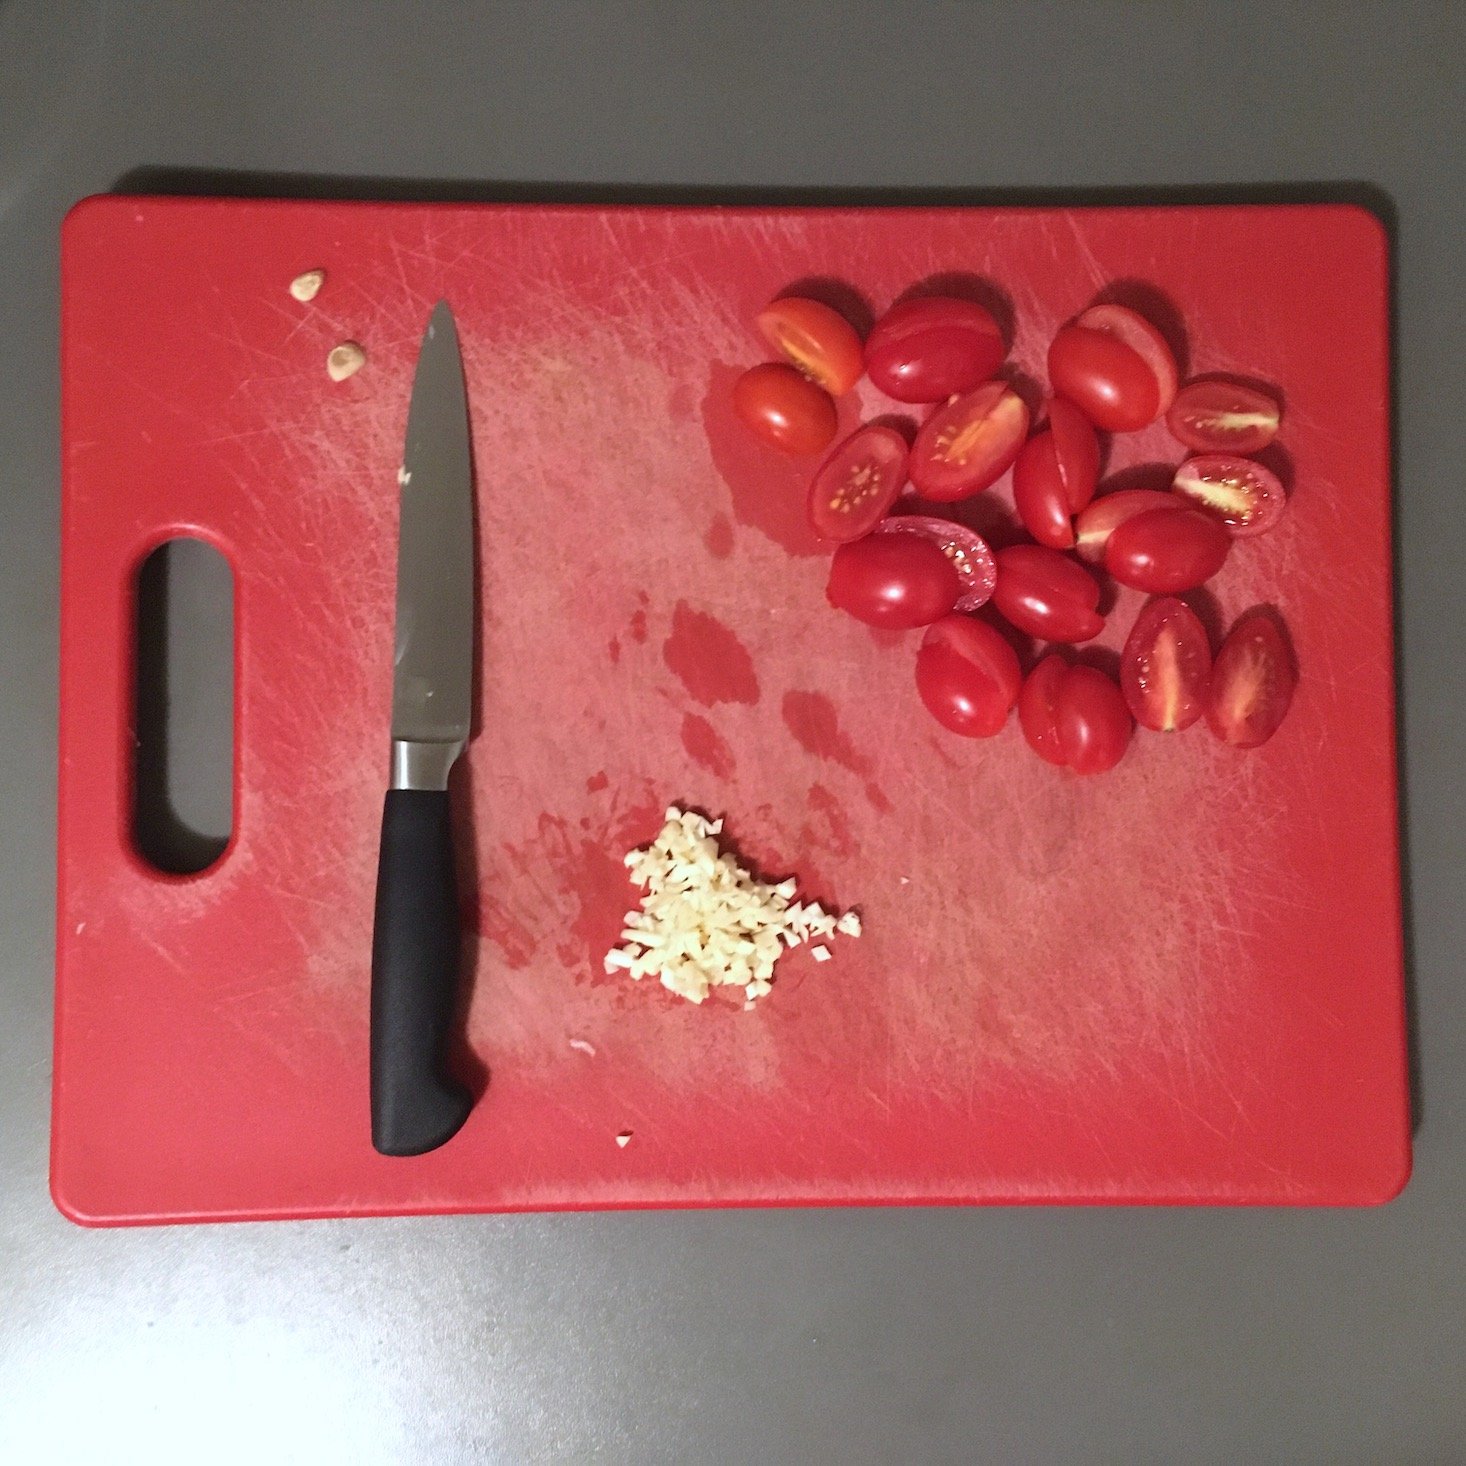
point(785, 409)
point(855, 486)
point(1165, 669)
point(977, 570)
point(1047, 594)
point(1223, 417)
point(933, 347)
point(893, 581)
point(967, 676)
point(1077, 452)
point(1166, 551)
point(1038, 710)
point(1104, 516)
point(1144, 340)
point(816, 339)
point(1040, 495)
point(1245, 496)
point(1252, 682)
point(968, 444)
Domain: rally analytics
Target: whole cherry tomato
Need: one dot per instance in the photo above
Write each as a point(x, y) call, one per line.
point(1047, 595)
point(1115, 367)
point(1164, 551)
point(816, 339)
point(968, 676)
point(977, 570)
point(1165, 670)
point(1074, 717)
point(1054, 475)
point(968, 444)
point(852, 489)
point(933, 347)
point(1245, 496)
point(1252, 682)
point(896, 581)
point(1223, 417)
point(1100, 520)
point(775, 403)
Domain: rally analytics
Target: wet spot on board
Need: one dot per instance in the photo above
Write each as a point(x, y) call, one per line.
point(682, 403)
point(708, 659)
point(597, 782)
point(613, 650)
point(498, 925)
point(719, 538)
point(828, 827)
point(812, 719)
point(705, 746)
point(638, 627)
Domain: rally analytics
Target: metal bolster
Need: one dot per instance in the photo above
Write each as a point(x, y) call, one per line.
point(422, 765)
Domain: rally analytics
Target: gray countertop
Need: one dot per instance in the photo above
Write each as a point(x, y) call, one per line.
point(861, 1336)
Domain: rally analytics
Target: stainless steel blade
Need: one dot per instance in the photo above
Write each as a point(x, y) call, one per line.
point(432, 684)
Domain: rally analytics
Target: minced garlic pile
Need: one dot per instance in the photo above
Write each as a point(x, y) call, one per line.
point(705, 922)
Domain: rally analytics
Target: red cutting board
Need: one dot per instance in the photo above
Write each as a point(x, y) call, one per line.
point(1181, 982)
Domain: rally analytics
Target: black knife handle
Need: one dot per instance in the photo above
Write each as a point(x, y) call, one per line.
point(416, 1103)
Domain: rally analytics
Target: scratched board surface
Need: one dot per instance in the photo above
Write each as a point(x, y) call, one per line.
point(1178, 982)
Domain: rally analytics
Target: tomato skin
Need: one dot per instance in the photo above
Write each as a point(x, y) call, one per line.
point(1074, 717)
point(968, 444)
point(1165, 669)
point(1100, 520)
point(893, 581)
point(977, 570)
point(1252, 682)
point(855, 486)
point(1245, 496)
point(1077, 452)
point(1165, 551)
point(1105, 379)
point(933, 347)
point(1223, 417)
point(775, 403)
point(817, 340)
point(1047, 595)
point(1039, 494)
point(967, 676)
point(1144, 340)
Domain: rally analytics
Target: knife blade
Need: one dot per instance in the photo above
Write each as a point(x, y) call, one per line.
point(416, 1102)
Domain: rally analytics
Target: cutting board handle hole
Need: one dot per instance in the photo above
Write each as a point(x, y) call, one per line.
point(183, 762)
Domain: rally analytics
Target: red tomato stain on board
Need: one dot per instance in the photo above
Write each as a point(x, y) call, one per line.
point(828, 826)
point(613, 648)
point(705, 746)
point(708, 659)
point(719, 538)
point(811, 718)
point(681, 403)
point(768, 488)
point(498, 925)
point(638, 627)
point(596, 783)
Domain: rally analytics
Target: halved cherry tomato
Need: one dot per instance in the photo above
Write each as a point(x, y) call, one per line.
point(1252, 682)
point(929, 348)
point(970, 443)
point(1077, 450)
point(775, 403)
point(977, 570)
point(852, 489)
point(1115, 367)
point(1074, 717)
point(1054, 475)
point(1103, 517)
point(1165, 669)
point(968, 676)
point(816, 339)
point(894, 581)
point(1245, 496)
point(1164, 551)
point(1046, 594)
point(1223, 417)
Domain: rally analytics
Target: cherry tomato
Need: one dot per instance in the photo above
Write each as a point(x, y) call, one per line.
point(1164, 551)
point(1100, 520)
point(933, 347)
point(1245, 496)
point(965, 548)
point(1046, 594)
point(1223, 417)
point(968, 676)
point(969, 444)
point(775, 403)
point(1115, 367)
point(1074, 717)
point(1077, 451)
point(1252, 682)
point(1054, 475)
point(1165, 669)
point(817, 340)
point(894, 581)
point(852, 489)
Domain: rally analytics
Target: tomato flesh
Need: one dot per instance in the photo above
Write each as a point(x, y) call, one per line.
point(969, 444)
point(967, 676)
point(1047, 595)
point(893, 581)
point(933, 347)
point(817, 340)
point(1223, 417)
point(977, 570)
point(1106, 514)
point(1039, 494)
point(855, 486)
point(1165, 551)
point(786, 410)
point(1165, 669)
point(1038, 709)
point(1077, 452)
point(1074, 717)
point(1245, 496)
point(1252, 682)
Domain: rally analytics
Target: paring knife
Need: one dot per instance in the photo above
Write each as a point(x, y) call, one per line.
point(416, 1102)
